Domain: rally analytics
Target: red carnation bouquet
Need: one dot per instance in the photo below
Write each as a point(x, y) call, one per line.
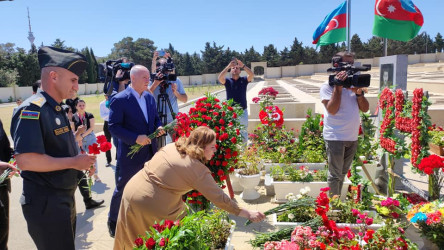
point(223, 118)
point(102, 145)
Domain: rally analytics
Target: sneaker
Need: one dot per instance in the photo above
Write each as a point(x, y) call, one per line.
point(108, 164)
point(93, 203)
point(97, 179)
point(111, 228)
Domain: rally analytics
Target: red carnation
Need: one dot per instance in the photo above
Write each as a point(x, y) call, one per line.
point(94, 149)
point(138, 242)
point(234, 115)
point(101, 139)
point(163, 242)
point(224, 163)
point(169, 224)
point(220, 172)
point(256, 99)
point(221, 121)
point(150, 243)
point(233, 140)
point(105, 146)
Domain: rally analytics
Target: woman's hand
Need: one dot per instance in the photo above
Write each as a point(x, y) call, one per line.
point(5, 165)
point(254, 216)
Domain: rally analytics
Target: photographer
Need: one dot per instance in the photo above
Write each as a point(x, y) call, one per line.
point(173, 88)
point(341, 122)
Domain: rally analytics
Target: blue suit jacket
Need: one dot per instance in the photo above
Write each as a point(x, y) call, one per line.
point(126, 122)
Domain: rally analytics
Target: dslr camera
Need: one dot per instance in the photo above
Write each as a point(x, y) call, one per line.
point(167, 69)
point(353, 79)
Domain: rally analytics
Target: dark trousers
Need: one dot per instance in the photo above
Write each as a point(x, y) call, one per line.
point(108, 138)
point(125, 174)
point(51, 216)
point(4, 214)
point(83, 185)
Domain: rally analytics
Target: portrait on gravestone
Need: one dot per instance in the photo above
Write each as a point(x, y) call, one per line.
point(386, 76)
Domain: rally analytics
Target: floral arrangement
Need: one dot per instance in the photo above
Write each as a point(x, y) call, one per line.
point(301, 174)
point(311, 140)
point(248, 162)
point(134, 149)
point(201, 230)
point(367, 145)
point(271, 134)
point(222, 117)
point(396, 113)
point(429, 218)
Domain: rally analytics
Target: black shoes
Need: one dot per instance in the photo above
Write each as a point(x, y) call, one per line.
point(93, 203)
point(112, 228)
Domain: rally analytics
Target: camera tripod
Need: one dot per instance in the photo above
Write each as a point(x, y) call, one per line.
point(162, 101)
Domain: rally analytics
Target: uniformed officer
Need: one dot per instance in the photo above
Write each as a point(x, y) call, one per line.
point(46, 152)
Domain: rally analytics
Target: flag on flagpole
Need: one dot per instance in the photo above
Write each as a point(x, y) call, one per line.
point(333, 28)
point(397, 19)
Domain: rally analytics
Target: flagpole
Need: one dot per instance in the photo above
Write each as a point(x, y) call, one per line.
point(348, 24)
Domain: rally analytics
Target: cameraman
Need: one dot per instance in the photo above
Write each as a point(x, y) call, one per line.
point(120, 78)
point(341, 123)
point(174, 89)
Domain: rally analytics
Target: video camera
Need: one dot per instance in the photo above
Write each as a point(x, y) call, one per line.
point(358, 80)
point(168, 71)
point(112, 66)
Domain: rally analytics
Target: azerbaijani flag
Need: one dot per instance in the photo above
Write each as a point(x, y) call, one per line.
point(333, 28)
point(397, 19)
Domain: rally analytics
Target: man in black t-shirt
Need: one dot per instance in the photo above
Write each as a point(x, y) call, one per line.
point(236, 88)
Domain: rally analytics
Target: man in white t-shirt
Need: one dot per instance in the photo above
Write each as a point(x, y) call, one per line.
point(341, 124)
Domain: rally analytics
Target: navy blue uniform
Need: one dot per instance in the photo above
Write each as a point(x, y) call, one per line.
point(41, 126)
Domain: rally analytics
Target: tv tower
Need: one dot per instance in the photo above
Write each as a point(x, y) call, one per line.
point(31, 37)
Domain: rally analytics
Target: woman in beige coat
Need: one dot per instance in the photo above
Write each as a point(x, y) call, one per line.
point(155, 193)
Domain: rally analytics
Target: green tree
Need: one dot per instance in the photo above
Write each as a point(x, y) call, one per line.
point(439, 42)
point(374, 47)
point(27, 67)
point(90, 67)
point(213, 58)
point(58, 43)
point(197, 63)
point(8, 77)
point(251, 55)
point(271, 55)
point(296, 52)
point(310, 55)
point(357, 46)
point(95, 66)
point(327, 52)
point(285, 58)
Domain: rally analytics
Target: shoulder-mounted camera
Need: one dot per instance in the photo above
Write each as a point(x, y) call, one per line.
point(353, 79)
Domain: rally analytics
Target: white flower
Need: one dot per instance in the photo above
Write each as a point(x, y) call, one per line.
point(362, 158)
point(305, 190)
point(290, 216)
point(298, 196)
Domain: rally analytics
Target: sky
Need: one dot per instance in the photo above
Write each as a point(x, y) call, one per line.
point(187, 25)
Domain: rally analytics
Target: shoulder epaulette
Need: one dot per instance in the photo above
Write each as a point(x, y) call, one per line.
point(38, 99)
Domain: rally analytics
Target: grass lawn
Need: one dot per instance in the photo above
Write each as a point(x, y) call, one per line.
point(93, 101)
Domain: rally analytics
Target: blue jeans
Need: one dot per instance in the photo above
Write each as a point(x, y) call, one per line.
point(244, 122)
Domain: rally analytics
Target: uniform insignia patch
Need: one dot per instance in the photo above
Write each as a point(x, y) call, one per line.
point(57, 120)
point(60, 131)
point(58, 108)
point(32, 115)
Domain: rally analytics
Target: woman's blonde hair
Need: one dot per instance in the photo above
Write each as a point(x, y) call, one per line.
point(194, 145)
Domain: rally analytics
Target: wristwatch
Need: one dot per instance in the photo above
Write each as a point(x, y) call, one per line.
point(243, 67)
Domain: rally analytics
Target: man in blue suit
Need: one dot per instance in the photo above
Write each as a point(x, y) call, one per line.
point(133, 116)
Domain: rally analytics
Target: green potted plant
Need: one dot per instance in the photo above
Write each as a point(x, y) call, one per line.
point(201, 230)
point(249, 176)
point(437, 140)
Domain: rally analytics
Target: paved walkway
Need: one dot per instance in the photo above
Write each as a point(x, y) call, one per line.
point(92, 230)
